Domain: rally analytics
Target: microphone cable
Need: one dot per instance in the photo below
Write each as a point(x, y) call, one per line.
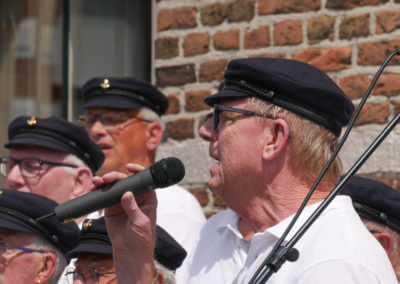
point(279, 253)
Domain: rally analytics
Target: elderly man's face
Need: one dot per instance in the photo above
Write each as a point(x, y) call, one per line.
point(56, 182)
point(17, 266)
point(237, 146)
point(94, 268)
point(123, 142)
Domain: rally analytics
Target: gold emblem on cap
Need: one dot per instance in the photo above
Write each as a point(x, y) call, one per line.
point(87, 224)
point(105, 84)
point(223, 73)
point(31, 121)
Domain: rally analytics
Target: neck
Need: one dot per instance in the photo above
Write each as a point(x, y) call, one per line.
point(279, 200)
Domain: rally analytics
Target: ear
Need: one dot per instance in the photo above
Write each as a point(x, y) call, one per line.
point(83, 181)
point(154, 134)
point(276, 139)
point(386, 241)
point(47, 268)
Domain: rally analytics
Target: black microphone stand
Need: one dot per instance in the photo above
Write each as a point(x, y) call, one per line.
point(279, 253)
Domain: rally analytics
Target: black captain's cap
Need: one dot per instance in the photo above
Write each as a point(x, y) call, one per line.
point(18, 211)
point(94, 239)
point(55, 133)
point(375, 201)
point(290, 84)
point(123, 93)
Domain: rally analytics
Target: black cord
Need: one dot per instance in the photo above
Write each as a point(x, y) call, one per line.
point(278, 255)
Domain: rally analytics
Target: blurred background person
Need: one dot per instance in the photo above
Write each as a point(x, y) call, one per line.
point(378, 205)
point(95, 261)
point(32, 252)
point(123, 117)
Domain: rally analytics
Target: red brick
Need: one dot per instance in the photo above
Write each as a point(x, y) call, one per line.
point(241, 10)
point(200, 194)
point(320, 28)
point(175, 75)
point(180, 129)
point(390, 181)
point(176, 18)
point(348, 4)
point(174, 104)
point(269, 55)
point(288, 33)
point(213, 14)
point(330, 59)
point(355, 85)
point(373, 113)
point(194, 100)
point(166, 48)
point(287, 6)
point(388, 85)
point(224, 40)
point(212, 70)
point(354, 26)
point(375, 53)
point(387, 21)
point(218, 201)
point(396, 107)
point(196, 43)
point(257, 38)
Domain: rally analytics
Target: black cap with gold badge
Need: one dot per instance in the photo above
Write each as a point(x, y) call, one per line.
point(123, 93)
point(94, 239)
point(57, 134)
point(19, 210)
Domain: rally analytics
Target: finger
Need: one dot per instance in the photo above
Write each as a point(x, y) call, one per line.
point(134, 168)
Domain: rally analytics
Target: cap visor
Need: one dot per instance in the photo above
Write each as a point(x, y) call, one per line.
point(110, 101)
point(224, 94)
point(37, 140)
point(11, 223)
point(90, 247)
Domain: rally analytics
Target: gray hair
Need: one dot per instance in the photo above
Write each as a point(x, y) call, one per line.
point(151, 115)
point(41, 244)
point(169, 275)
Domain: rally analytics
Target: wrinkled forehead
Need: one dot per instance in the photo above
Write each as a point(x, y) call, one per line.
point(97, 260)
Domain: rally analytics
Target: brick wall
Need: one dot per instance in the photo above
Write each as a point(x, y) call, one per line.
point(349, 39)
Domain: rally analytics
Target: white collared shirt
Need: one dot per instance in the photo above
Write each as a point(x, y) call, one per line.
point(336, 249)
point(220, 253)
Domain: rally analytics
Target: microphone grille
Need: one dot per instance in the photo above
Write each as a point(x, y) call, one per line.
point(167, 171)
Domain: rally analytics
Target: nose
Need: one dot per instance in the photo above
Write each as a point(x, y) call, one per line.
point(207, 131)
point(78, 280)
point(96, 130)
point(15, 179)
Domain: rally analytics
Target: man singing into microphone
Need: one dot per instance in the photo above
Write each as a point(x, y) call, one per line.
point(275, 124)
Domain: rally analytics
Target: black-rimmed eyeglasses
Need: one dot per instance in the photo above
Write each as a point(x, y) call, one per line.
point(90, 273)
point(218, 108)
point(29, 167)
point(109, 118)
point(5, 247)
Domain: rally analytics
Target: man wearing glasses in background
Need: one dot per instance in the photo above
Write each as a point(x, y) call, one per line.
point(32, 252)
point(50, 157)
point(95, 261)
point(123, 117)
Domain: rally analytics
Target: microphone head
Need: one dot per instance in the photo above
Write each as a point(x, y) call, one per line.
point(167, 172)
